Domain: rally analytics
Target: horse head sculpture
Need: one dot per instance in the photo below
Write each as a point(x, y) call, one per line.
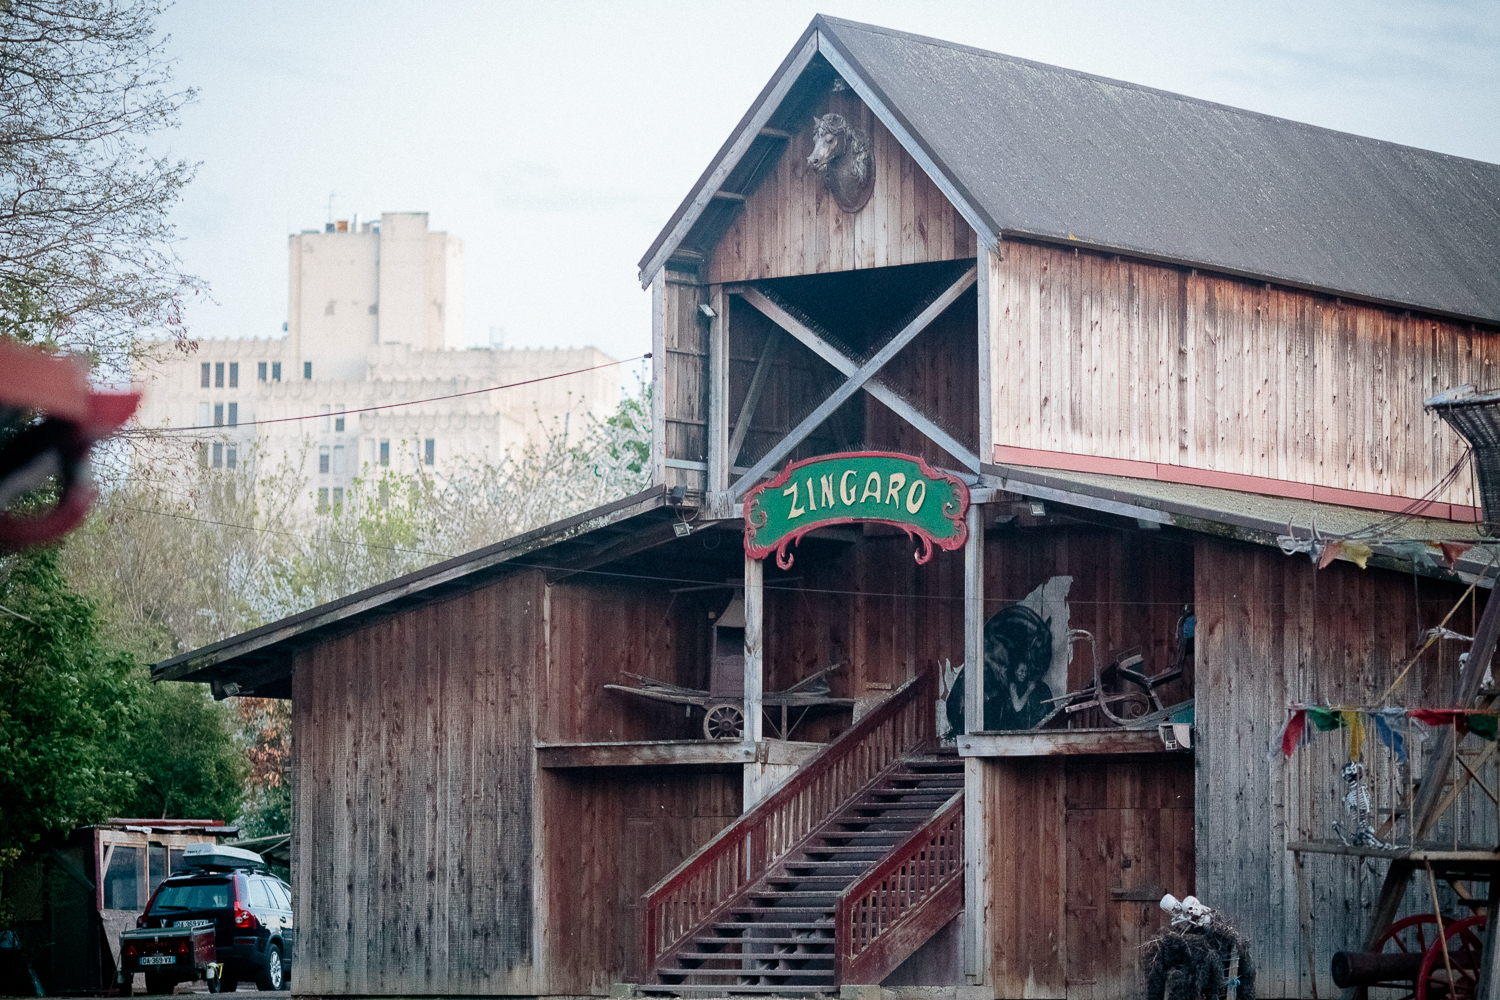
point(841, 153)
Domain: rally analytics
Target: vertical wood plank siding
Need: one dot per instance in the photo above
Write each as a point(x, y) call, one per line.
point(1272, 631)
point(609, 837)
point(1125, 359)
point(1065, 837)
point(791, 224)
point(413, 813)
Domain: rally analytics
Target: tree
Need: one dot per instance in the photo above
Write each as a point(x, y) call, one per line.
point(67, 703)
point(86, 261)
point(184, 756)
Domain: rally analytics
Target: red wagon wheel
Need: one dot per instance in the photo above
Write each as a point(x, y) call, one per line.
point(1412, 936)
point(1465, 940)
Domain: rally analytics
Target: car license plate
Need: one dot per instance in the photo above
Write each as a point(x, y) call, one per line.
point(191, 923)
point(158, 959)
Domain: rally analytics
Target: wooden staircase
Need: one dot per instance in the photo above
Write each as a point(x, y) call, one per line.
point(837, 877)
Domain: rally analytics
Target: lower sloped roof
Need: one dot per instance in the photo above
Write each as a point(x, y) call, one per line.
point(1399, 542)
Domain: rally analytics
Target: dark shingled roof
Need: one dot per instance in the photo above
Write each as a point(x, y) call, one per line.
point(1054, 154)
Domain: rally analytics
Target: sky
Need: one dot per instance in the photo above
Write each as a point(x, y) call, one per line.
point(556, 139)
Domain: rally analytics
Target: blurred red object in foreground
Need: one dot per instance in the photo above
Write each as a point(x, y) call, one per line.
point(73, 418)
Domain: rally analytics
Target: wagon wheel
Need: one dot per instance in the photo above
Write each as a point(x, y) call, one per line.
point(1412, 936)
point(1465, 943)
point(724, 721)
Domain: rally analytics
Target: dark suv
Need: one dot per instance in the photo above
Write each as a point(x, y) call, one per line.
point(251, 913)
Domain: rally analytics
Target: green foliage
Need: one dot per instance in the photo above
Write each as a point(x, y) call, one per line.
point(183, 752)
point(83, 734)
point(67, 704)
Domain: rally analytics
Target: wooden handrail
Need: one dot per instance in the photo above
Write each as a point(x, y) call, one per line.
point(902, 901)
point(704, 885)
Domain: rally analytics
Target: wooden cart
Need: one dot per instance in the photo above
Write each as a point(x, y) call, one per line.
point(723, 703)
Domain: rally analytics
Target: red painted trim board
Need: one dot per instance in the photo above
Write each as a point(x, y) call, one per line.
point(1163, 472)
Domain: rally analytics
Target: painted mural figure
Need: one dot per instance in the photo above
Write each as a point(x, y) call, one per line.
point(1025, 658)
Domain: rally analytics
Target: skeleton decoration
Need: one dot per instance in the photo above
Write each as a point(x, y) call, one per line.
point(841, 153)
point(1357, 801)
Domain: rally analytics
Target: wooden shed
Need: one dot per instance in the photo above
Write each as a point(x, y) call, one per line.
point(1150, 346)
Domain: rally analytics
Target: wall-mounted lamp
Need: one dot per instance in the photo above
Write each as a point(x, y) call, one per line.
point(1038, 509)
point(707, 310)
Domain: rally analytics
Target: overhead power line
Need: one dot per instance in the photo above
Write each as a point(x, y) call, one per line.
point(382, 406)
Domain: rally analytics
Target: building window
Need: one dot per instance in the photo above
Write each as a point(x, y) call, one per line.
point(338, 458)
point(275, 371)
point(307, 369)
point(218, 456)
point(323, 459)
point(260, 371)
point(338, 496)
point(385, 493)
point(385, 453)
point(231, 456)
point(322, 498)
point(203, 455)
point(203, 383)
point(234, 414)
point(338, 421)
point(218, 374)
point(218, 414)
point(324, 410)
point(429, 451)
point(205, 414)
point(234, 374)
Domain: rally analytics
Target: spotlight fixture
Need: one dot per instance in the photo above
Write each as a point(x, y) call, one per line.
point(1038, 509)
point(682, 529)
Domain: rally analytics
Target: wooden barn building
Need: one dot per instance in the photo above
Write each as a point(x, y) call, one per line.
point(1143, 355)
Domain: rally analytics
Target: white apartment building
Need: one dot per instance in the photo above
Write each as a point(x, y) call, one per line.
point(375, 318)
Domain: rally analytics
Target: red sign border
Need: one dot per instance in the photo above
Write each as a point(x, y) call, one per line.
point(922, 555)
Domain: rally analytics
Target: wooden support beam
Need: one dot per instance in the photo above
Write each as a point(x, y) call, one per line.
point(754, 633)
point(1424, 810)
point(976, 861)
point(668, 753)
point(975, 838)
point(758, 381)
point(659, 378)
point(728, 196)
point(1064, 743)
point(974, 622)
point(718, 391)
point(775, 133)
point(858, 377)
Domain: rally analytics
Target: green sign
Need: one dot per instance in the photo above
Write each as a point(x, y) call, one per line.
point(878, 486)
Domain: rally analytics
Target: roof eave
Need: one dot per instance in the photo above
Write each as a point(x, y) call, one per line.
point(264, 641)
point(818, 39)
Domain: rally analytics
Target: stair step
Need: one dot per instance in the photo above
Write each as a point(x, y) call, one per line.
point(742, 939)
point(801, 973)
point(801, 925)
point(694, 989)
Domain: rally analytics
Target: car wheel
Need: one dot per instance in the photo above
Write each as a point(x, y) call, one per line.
point(156, 983)
point(270, 976)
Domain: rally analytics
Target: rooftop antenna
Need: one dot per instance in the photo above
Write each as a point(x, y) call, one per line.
point(330, 207)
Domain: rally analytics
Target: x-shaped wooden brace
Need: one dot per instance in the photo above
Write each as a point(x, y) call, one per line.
point(857, 376)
